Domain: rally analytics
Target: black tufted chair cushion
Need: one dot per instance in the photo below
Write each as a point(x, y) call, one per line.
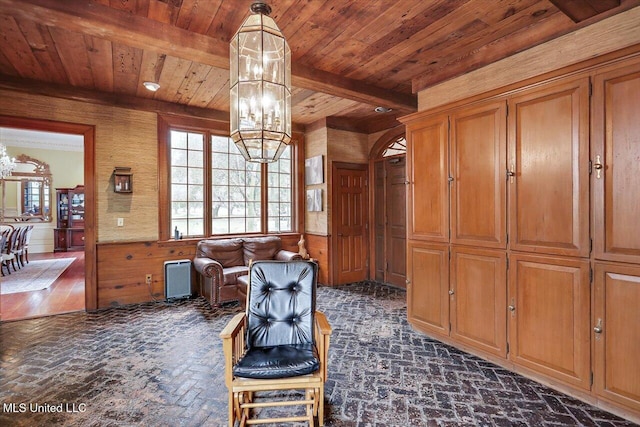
point(280, 321)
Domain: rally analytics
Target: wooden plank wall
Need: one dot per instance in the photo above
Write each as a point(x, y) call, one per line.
point(122, 268)
point(318, 248)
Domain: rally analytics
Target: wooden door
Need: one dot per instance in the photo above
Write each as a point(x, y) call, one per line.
point(549, 306)
point(395, 227)
point(379, 221)
point(428, 286)
point(478, 299)
point(616, 333)
point(478, 167)
point(616, 162)
point(549, 160)
point(349, 216)
point(428, 175)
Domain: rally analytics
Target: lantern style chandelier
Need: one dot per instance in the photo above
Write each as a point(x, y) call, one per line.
point(7, 164)
point(260, 98)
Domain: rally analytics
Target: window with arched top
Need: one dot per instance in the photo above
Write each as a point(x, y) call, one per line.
point(396, 148)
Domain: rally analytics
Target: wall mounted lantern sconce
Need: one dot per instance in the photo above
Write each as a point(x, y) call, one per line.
point(122, 180)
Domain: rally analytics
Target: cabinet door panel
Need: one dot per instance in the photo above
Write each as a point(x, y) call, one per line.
point(548, 153)
point(427, 170)
point(617, 313)
point(478, 166)
point(478, 302)
point(549, 323)
point(616, 141)
point(427, 291)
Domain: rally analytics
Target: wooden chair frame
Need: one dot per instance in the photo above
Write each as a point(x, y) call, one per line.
point(241, 390)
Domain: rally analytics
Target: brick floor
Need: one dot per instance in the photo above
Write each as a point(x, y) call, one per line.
point(160, 364)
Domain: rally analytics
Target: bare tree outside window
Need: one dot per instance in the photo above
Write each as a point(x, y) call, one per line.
point(233, 204)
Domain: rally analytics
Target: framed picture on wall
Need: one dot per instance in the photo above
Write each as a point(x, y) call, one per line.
point(314, 200)
point(314, 170)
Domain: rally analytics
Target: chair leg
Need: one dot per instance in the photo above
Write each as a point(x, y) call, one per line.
point(232, 409)
point(321, 405)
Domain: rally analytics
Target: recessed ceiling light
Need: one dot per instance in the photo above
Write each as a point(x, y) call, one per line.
point(382, 110)
point(152, 86)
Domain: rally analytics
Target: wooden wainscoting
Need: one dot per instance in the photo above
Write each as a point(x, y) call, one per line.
point(122, 268)
point(318, 248)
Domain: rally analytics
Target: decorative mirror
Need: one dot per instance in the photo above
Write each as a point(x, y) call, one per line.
point(26, 193)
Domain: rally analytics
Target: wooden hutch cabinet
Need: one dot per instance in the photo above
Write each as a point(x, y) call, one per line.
point(69, 232)
point(523, 239)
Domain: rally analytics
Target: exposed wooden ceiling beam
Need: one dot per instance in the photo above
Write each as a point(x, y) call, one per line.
point(579, 10)
point(101, 21)
point(110, 99)
point(118, 100)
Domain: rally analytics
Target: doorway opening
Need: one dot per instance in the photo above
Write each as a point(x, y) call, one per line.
point(53, 280)
point(389, 209)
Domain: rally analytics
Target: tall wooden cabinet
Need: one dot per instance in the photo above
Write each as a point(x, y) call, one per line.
point(69, 233)
point(523, 243)
point(616, 204)
point(549, 169)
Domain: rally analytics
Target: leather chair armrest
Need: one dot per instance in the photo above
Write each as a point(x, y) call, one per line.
point(285, 255)
point(208, 267)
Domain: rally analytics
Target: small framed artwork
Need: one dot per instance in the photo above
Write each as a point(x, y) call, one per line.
point(314, 200)
point(122, 180)
point(314, 170)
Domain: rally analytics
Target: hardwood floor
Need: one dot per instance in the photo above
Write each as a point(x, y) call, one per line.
point(64, 296)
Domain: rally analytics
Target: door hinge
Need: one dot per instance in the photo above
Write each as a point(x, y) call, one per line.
point(507, 262)
point(590, 89)
point(590, 245)
point(507, 237)
point(507, 348)
point(591, 378)
point(590, 275)
point(386, 266)
point(507, 109)
point(590, 167)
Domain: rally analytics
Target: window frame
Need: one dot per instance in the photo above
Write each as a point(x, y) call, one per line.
point(166, 123)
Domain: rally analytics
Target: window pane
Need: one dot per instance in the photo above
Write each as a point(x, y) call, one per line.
point(178, 139)
point(234, 198)
point(196, 176)
point(179, 175)
point(187, 183)
point(179, 157)
point(280, 190)
point(220, 144)
point(220, 226)
point(236, 189)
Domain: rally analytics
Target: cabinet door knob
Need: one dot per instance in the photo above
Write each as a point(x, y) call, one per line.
point(451, 292)
point(598, 166)
point(511, 173)
point(512, 308)
point(598, 328)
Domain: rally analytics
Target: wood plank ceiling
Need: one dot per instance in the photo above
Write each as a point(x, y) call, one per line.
point(348, 56)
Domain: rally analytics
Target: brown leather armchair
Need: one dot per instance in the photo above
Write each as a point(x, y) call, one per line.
point(223, 265)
